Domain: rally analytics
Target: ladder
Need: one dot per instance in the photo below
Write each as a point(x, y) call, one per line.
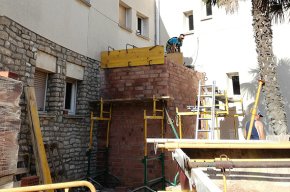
point(205, 110)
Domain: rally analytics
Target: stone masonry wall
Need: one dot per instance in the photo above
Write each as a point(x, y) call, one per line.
point(127, 126)
point(18, 52)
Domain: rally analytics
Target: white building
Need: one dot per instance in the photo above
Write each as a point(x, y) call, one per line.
point(87, 26)
point(223, 46)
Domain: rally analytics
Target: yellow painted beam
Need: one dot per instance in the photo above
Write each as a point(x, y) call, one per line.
point(133, 57)
point(240, 160)
point(33, 114)
point(219, 144)
point(153, 117)
point(186, 113)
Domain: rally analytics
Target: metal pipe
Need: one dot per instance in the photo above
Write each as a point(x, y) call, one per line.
point(109, 47)
point(145, 133)
point(91, 131)
point(108, 128)
point(52, 187)
point(157, 22)
point(129, 45)
point(240, 164)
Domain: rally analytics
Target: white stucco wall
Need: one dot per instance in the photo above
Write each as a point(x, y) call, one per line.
point(224, 43)
point(74, 25)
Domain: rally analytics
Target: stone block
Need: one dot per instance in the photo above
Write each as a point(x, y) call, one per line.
point(5, 51)
point(5, 21)
point(4, 35)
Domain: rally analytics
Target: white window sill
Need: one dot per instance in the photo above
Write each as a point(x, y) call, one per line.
point(206, 18)
point(86, 2)
point(70, 116)
point(125, 28)
point(189, 33)
point(143, 37)
point(45, 115)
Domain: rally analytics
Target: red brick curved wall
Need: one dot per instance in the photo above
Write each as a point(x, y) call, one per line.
point(127, 128)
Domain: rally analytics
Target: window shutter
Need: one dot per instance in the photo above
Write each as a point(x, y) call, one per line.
point(40, 79)
point(122, 16)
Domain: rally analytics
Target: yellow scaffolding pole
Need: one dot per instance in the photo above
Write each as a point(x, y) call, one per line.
point(102, 117)
point(52, 187)
point(254, 110)
point(153, 117)
point(38, 144)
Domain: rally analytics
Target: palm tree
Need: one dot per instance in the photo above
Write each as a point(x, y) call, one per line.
point(263, 12)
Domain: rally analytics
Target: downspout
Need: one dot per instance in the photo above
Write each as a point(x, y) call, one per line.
point(157, 22)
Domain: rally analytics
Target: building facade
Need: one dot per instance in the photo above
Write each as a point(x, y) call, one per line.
point(222, 45)
point(55, 46)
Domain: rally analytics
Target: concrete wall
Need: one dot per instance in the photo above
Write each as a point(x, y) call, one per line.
point(85, 29)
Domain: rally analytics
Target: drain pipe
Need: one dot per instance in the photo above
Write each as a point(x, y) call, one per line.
point(157, 22)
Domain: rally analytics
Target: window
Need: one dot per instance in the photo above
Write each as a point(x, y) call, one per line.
point(142, 25)
point(125, 16)
point(188, 21)
point(40, 84)
point(70, 96)
point(208, 9)
point(234, 83)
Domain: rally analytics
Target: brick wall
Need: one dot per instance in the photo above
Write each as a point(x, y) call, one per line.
point(18, 52)
point(127, 128)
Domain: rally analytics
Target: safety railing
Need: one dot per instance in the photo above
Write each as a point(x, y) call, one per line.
point(66, 186)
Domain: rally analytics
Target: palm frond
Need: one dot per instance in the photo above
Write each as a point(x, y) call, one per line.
point(277, 9)
point(230, 6)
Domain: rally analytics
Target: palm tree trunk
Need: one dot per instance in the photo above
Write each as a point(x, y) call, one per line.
point(268, 72)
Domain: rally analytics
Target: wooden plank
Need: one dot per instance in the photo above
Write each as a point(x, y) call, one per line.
point(37, 140)
point(133, 57)
point(20, 171)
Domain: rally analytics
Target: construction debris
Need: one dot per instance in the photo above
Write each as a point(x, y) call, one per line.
point(10, 91)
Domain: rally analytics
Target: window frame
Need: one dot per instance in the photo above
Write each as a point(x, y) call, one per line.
point(128, 17)
point(232, 87)
point(45, 90)
point(187, 21)
point(207, 7)
point(236, 87)
point(205, 14)
point(144, 33)
point(73, 96)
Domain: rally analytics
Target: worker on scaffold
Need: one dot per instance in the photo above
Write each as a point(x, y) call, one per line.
point(173, 44)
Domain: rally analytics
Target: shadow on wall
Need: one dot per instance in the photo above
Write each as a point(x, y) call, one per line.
point(164, 36)
point(249, 89)
point(283, 71)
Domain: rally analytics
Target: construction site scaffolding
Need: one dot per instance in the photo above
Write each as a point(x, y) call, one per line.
point(211, 104)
